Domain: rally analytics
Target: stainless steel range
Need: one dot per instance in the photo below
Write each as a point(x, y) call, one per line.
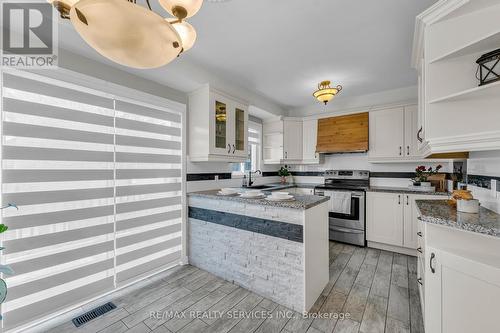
point(346, 189)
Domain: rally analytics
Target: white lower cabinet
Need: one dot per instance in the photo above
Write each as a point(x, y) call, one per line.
point(303, 191)
point(461, 295)
point(384, 218)
point(391, 218)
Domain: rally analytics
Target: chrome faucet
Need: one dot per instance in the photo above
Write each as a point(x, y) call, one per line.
point(250, 182)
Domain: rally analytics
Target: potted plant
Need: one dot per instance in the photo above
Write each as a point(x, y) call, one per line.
point(283, 173)
point(422, 173)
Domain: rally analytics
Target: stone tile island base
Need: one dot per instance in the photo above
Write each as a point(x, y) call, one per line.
point(278, 252)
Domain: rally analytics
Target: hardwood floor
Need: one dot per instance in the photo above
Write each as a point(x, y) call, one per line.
point(377, 289)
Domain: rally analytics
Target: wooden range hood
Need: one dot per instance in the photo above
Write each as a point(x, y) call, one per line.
point(343, 134)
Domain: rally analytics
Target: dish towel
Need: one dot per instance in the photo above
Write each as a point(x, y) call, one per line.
point(340, 202)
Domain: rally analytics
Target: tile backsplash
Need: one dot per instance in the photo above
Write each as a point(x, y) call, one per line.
point(483, 177)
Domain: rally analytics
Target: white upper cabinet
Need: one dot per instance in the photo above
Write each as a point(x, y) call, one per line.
point(411, 131)
point(309, 140)
point(457, 114)
point(218, 126)
point(292, 140)
point(283, 141)
point(393, 134)
point(386, 134)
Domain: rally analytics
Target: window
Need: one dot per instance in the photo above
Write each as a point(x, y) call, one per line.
point(254, 150)
point(98, 182)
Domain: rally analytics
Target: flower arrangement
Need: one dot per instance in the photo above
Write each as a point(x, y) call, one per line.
point(283, 173)
point(422, 173)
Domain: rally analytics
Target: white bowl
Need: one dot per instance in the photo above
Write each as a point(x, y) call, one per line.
point(252, 195)
point(280, 194)
point(228, 190)
point(253, 192)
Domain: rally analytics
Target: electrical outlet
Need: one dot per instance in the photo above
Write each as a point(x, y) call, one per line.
point(216, 178)
point(494, 188)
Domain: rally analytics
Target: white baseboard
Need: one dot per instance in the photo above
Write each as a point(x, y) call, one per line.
point(393, 248)
point(184, 260)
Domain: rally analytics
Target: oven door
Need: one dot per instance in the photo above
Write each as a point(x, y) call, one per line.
point(345, 235)
point(356, 218)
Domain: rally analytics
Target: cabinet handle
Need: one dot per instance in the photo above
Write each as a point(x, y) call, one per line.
point(419, 280)
point(400, 150)
point(419, 249)
point(407, 150)
point(419, 234)
point(286, 154)
point(407, 200)
point(433, 269)
point(418, 135)
point(234, 148)
point(228, 148)
point(399, 199)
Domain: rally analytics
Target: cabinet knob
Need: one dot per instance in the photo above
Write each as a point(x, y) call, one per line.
point(228, 148)
point(234, 148)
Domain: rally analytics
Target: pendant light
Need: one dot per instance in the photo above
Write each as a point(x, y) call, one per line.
point(63, 6)
point(325, 93)
point(181, 8)
point(130, 34)
point(186, 32)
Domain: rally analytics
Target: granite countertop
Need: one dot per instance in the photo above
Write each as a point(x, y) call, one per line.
point(439, 212)
point(300, 202)
point(403, 190)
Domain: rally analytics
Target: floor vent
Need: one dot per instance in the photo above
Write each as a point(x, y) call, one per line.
point(92, 314)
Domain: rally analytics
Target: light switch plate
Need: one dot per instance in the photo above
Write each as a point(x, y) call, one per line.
point(216, 178)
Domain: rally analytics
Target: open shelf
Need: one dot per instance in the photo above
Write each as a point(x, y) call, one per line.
point(486, 90)
point(484, 45)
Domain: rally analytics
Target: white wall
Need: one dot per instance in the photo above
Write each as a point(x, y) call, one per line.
point(486, 164)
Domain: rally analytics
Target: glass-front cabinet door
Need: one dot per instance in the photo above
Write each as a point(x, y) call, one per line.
point(240, 123)
point(219, 141)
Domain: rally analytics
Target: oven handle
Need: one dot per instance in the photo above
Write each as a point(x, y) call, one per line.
point(345, 230)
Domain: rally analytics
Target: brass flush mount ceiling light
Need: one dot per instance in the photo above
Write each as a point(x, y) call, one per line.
point(129, 34)
point(325, 93)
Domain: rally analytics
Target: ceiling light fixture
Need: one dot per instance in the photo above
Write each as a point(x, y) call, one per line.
point(185, 31)
point(129, 34)
point(325, 93)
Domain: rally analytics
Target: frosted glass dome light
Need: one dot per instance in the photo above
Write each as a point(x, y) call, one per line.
point(186, 31)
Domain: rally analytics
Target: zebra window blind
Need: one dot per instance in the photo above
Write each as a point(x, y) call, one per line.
point(98, 183)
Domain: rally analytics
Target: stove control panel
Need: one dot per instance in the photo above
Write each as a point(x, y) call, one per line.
point(347, 174)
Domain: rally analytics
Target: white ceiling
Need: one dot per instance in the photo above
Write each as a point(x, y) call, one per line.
point(281, 49)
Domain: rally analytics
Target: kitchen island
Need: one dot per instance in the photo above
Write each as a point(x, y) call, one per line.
point(276, 249)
